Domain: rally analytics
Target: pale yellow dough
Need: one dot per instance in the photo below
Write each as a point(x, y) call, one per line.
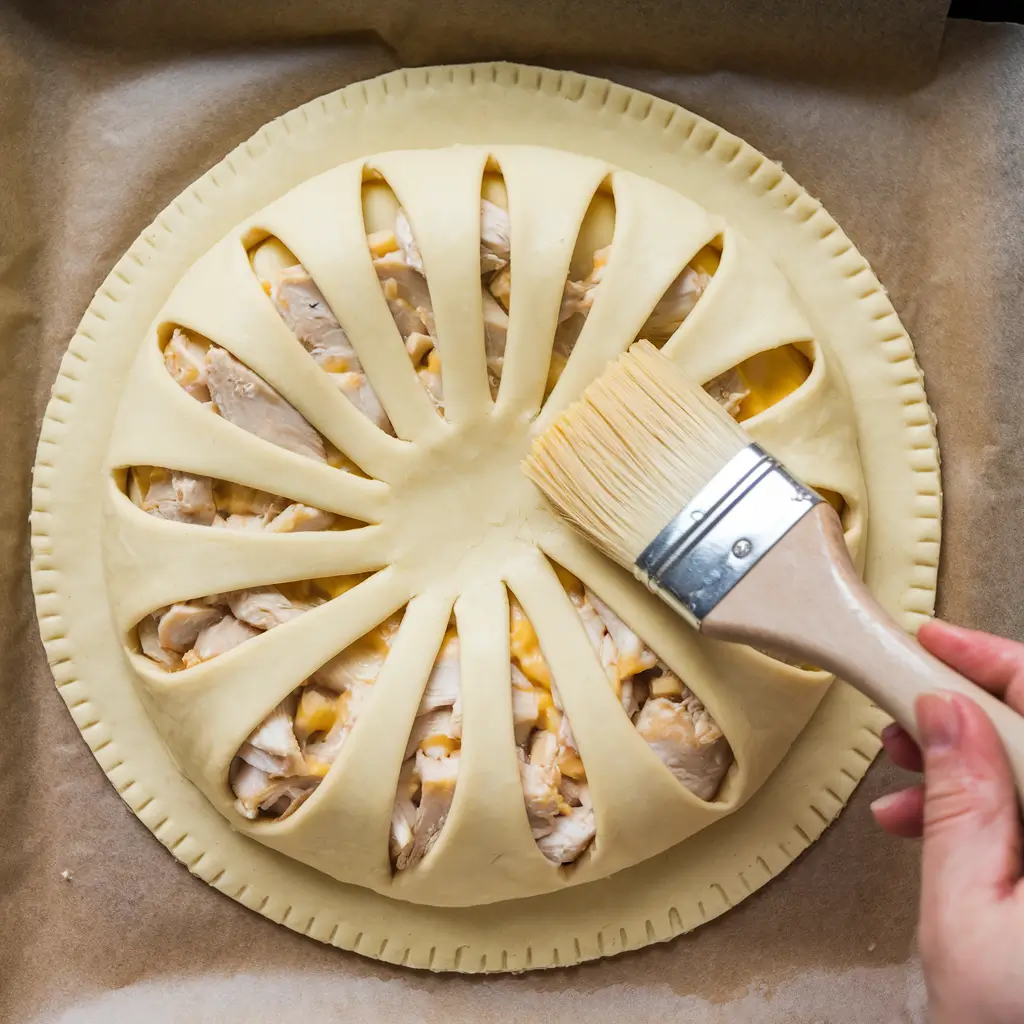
point(452, 520)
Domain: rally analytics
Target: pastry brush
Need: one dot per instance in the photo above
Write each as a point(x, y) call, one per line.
point(659, 477)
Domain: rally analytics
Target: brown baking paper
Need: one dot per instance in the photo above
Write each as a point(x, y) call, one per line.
point(99, 923)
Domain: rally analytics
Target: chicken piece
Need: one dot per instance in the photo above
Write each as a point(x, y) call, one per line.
point(256, 791)
point(574, 793)
point(358, 665)
point(686, 738)
point(609, 655)
point(495, 337)
point(566, 336)
point(305, 310)
point(442, 689)
point(407, 318)
point(406, 242)
point(403, 816)
point(592, 623)
point(193, 497)
point(289, 794)
point(578, 296)
point(276, 735)
point(324, 750)
point(495, 237)
point(219, 638)
point(455, 725)
point(525, 706)
point(403, 819)
point(634, 656)
point(355, 386)
point(575, 300)
point(152, 648)
point(729, 390)
point(568, 758)
point(540, 779)
point(250, 785)
point(628, 698)
point(675, 305)
point(263, 607)
point(269, 763)
point(500, 286)
point(181, 624)
point(185, 359)
point(570, 835)
point(433, 728)
point(247, 400)
point(178, 497)
point(438, 776)
point(299, 518)
point(407, 295)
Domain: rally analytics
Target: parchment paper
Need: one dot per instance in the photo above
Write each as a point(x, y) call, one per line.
point(926, 180)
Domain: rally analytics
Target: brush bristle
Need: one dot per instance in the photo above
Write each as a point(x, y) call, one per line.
point(633, 451)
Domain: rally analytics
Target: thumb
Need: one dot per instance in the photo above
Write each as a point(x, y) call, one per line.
point(972, 841)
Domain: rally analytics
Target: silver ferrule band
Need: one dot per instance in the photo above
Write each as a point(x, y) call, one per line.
point(742, 513)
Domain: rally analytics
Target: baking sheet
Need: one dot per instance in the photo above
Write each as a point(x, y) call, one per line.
point(925, 180)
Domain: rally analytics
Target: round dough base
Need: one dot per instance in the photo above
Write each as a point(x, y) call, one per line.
point(488, 104)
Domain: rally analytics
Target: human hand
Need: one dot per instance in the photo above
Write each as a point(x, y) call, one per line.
point(971, 928)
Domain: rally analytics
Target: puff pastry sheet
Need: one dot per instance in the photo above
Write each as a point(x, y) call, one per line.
point(860, 426)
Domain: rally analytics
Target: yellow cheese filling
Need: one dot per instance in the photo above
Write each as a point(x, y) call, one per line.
point(525, 648)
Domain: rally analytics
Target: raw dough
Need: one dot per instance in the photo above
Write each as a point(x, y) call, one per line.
point(452, 498)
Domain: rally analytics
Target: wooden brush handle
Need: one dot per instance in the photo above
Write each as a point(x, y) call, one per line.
point(804, 600)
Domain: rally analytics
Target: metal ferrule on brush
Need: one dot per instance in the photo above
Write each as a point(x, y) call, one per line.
point(746, 509)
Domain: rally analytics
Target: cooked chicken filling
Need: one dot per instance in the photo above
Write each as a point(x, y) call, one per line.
point(678, 727)
point(305, 310)
point(554, 781)
point(668, 716)
point(213, 377)
point(188, 633)
point(291, 750)
point(403, 278)
point(426, 785)
point(672, 309)
point(183, 498)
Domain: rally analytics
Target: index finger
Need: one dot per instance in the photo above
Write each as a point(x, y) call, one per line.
point(993, 662)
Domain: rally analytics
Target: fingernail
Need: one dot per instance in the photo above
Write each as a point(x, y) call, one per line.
point(883, 803)
point(938, 718)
